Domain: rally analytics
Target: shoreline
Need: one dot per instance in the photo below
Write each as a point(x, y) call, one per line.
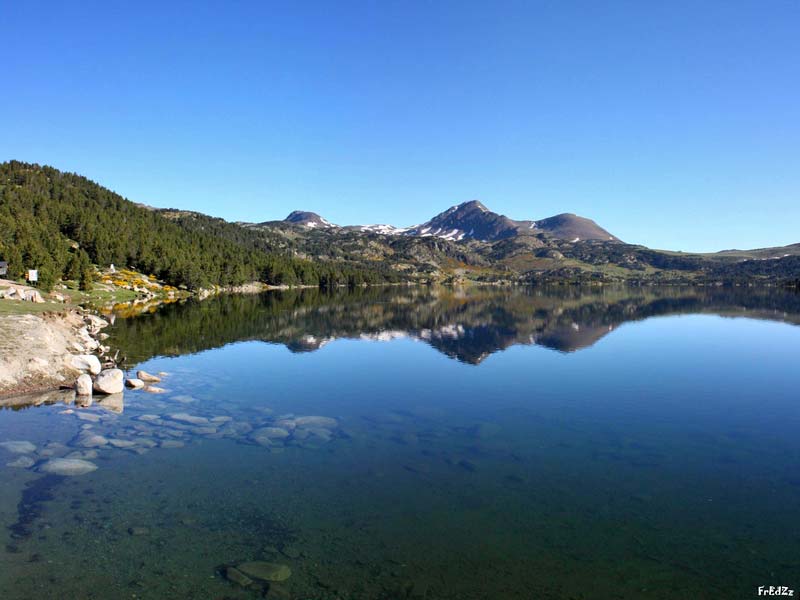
point(43, 352)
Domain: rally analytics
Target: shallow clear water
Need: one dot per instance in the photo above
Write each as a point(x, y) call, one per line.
point(487, 444)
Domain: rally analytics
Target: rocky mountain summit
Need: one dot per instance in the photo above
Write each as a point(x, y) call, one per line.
point(471, 221)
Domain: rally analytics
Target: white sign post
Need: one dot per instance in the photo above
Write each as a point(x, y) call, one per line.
point(33, 275)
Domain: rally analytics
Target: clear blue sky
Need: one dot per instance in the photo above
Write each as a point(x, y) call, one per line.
point(673, 124)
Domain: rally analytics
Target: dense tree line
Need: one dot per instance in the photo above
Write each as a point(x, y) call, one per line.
point(62, 223)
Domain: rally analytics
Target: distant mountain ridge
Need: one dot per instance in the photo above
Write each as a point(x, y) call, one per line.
point(473, 221)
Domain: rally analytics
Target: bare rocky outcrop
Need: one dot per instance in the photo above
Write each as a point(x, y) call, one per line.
point(48, 350)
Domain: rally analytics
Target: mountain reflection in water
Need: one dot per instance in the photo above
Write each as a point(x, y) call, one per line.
point(466, 324)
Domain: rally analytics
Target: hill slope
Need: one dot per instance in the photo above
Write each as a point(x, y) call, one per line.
point(60, 222)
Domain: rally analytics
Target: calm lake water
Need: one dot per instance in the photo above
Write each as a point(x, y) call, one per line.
point(487, 444)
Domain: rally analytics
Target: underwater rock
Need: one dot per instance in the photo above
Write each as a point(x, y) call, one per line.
point(172, 444)
point(84, 454)
point(236, 576)
point(265, 571)
point(146, 442)
point(147, 377)
point(68, 467)
point(221, 419)
point(266, 435)
point(187, 418)
point(91, 417)
point(110, 381)
point(23, 462)
point(316, 421)
point(184, 399)
point(18, 447)
point(87, 439)
point(138, 530)
point(117, 443)
point(149, 418)
point(320, 432)
point(152, 389)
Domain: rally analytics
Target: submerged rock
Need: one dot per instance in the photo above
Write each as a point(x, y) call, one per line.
point(187, 418)
point(172, 444)
point(18, 447)
point(110, 381)
point(267, 435)
point(89, 416)
point(316, 421)
point(265, 571)
point(153, 389)
point(23, 462)
point(68, 467)
point(236, 576)
point(134, 384)
point(87, 439)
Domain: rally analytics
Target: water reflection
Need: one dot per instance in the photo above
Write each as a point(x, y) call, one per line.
point(465, 324)
point(664, 466)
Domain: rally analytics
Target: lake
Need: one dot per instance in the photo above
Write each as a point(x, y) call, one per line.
point(424, 443)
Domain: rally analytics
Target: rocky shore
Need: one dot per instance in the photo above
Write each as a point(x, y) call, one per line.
point(50, 350)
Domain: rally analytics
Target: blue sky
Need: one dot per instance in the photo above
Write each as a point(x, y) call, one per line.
point(672, 124)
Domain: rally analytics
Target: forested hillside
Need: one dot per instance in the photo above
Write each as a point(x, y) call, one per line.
point(61, 223)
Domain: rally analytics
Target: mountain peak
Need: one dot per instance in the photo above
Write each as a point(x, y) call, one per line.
point(308, 219)
point(468, 220)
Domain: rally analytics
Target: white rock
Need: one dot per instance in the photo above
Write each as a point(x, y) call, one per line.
point(134, 384)
point(83, 385)
point(68, 467)
point(147, 377)
point(154, 389)
point(109, 381)
point(87, 362)
point(21, 447)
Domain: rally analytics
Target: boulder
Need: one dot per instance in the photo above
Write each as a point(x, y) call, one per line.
point(134, 384)
point(68, 467)
point(33, 296)
point(86, 363)
point(96, 323)
point(147, 377)
point(83, 385)
point(109, 381)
